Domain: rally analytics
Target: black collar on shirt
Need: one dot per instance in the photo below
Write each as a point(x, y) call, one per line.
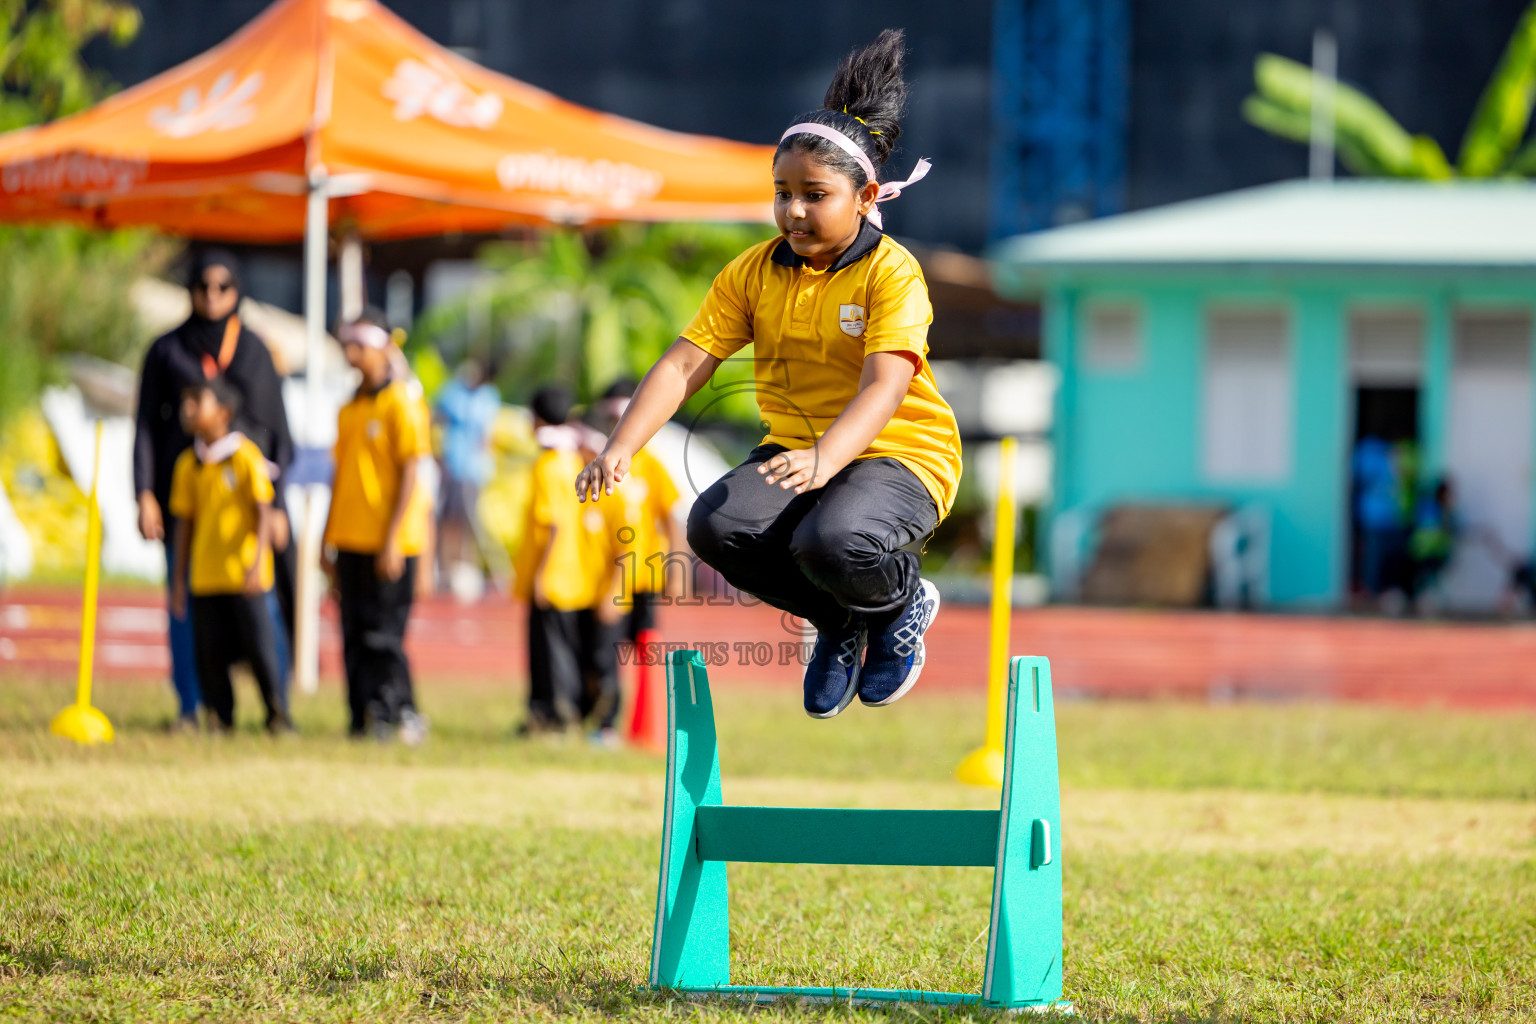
point(863, 244)
point(364, 391)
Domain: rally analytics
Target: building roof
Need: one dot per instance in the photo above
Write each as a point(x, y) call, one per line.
point(1363, 224)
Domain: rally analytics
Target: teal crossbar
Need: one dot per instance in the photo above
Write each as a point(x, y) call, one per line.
point(851, 996)
point(830, 835)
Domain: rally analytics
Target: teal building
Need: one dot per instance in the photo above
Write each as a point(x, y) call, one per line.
point(1233, 349)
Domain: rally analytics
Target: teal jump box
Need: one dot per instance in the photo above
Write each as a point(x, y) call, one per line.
point(1020, 841)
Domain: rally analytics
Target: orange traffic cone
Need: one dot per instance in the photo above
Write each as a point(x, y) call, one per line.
point(648, 726)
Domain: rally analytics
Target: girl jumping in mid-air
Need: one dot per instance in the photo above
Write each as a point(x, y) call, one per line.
point(862, 456)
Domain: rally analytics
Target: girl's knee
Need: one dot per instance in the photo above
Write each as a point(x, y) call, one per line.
point(827, 551)
point(707, 532)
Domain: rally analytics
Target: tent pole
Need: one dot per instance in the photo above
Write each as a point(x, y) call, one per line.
point(309, 585)
point(349, 273)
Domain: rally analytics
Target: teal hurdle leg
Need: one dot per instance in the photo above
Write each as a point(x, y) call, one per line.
point(1024, 946)
point(691, 946)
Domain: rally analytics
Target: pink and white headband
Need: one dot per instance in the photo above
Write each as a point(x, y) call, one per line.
point(888, 189)
point(365, 334)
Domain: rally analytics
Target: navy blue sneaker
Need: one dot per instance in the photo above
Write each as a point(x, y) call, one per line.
point(895, 656)
point(832, 677)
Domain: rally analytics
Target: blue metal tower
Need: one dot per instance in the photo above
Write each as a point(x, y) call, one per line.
point(1060, 72)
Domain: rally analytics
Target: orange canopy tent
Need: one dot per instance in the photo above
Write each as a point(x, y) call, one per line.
point(404, 138)
point(327, 112)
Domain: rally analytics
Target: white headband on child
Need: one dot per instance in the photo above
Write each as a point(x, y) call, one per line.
point(365, 334)
point(888, 189)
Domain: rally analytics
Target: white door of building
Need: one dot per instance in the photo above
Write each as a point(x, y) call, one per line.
point(1488, 452)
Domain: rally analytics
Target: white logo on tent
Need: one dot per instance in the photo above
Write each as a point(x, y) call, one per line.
point(418, 89)
point(226, 106)
point(620, 185)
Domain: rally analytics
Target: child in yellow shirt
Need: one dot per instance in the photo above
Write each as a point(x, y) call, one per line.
point(650, 546)
point(377, 527)
point(565, 571)
point(862, 455)
point(648, 499)
point(221, 494)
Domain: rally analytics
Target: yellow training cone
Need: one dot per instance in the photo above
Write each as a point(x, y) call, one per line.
point(984, 765)
point(81, 722)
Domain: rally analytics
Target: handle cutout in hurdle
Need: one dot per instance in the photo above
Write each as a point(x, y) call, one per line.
point(1039, 843)
point(701, 835)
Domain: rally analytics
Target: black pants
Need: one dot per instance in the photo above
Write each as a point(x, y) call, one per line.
point(226, 630)
point(642, 615)
point(374, 613)
point(285, 573)
point(573, 667)
point(821, 554)
point(285, 564)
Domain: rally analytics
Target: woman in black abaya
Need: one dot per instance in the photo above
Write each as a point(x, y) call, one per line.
point(211, 343)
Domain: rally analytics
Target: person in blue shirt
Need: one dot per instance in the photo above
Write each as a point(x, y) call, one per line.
point(1381, 487)
point(465, 408)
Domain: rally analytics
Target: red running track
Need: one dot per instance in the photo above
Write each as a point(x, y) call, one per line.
point(1095, 653)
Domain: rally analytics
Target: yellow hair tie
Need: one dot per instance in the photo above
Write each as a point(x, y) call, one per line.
point(861, 121)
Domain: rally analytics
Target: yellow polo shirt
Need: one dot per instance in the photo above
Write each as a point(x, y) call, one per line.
point(603, 547)
point(581, 536)
point(810, 331)
point(376, 435)
point(221, 498)
point(647, 495)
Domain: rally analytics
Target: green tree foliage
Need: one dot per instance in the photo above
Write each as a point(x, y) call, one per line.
point(41, 74)
point(1371, 143)
point(586, 309)
point(63, 290)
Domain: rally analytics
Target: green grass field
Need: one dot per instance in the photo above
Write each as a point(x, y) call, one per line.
point(1232, 863)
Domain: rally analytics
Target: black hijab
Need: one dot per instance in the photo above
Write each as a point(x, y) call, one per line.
point(202, 334)
point(176, 360)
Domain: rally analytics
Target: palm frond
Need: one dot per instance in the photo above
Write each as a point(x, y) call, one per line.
point(1504, 110)
point(1523, 163)
point(1366, 135)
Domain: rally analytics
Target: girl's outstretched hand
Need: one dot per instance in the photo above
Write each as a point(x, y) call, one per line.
point(601, 475)
point(800, 470)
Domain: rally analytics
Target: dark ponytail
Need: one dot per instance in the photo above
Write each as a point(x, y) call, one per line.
point(868, 86)
point(864, 102)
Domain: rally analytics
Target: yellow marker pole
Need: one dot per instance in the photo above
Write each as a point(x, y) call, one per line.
point(81, 722)
point(984, 765)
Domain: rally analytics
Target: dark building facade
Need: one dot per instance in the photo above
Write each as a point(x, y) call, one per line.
point(1425, 61)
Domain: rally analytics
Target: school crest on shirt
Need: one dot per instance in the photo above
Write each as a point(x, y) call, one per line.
point(373, 430)
point(229, 477)
point(850, 317)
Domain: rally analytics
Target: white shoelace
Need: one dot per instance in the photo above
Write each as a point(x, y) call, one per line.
point(906, 641)
point(910, 634)
point(848, 653)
